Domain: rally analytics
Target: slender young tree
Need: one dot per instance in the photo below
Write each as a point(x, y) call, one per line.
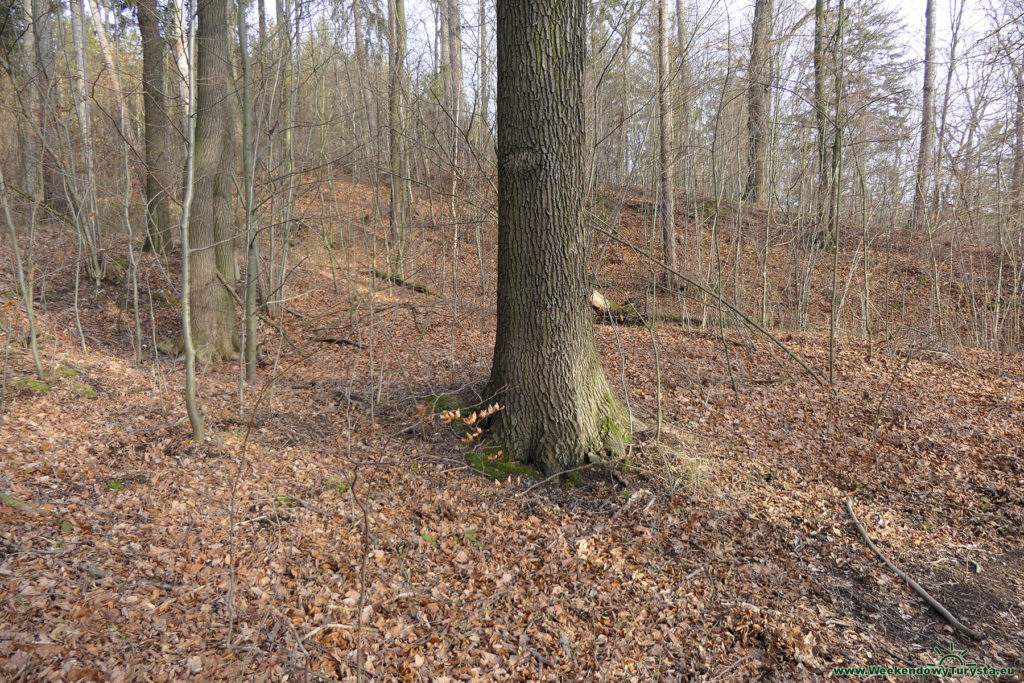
point(924, 158)
point(666, 155)
point(559, 409)
point(399, 214)
point(454, 13)
point(159, 177)
point(820, 111)
point(1017, 175)
point(87, 217)
point(251, 260)
point(483, 77)
point(684, 72)
point(370, 110)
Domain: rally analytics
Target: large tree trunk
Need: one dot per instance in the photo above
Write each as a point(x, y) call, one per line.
point(759, 102)
point(924, 157)
point(157, 126)
point(210, 228)
point(668, 211)
point(558, 407)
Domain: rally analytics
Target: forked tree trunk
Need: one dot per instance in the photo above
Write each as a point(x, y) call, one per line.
point(210, 226)
point(558, 407)
point(157, 125)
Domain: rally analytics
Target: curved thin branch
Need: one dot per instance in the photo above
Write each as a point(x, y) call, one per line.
point(953, 621)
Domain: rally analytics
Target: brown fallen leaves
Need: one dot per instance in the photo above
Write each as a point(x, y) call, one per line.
point(721, 553)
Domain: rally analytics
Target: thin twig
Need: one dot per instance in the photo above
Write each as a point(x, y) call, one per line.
point(953, 621)
point(730, 667)
point(360, 657)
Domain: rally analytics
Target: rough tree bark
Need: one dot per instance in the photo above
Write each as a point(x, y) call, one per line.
point(210, 227)
point(157, 126)
point(924, 157)
point(558, 407)
point(759, 102)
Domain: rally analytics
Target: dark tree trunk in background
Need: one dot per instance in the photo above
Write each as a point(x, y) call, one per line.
point(759, 102)
point(924, 157)
point(157, 126)
point(558, 407)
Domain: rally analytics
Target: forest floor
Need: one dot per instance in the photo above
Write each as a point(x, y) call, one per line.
point(333, 521)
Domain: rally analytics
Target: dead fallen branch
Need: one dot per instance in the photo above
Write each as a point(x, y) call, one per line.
point(340, 341)
point(24, 505)
point(953, 621)
point(401, 282)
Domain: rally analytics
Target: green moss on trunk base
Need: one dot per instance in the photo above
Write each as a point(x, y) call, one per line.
point(491, 462)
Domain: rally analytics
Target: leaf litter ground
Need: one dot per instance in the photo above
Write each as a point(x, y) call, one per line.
point(720, 551)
